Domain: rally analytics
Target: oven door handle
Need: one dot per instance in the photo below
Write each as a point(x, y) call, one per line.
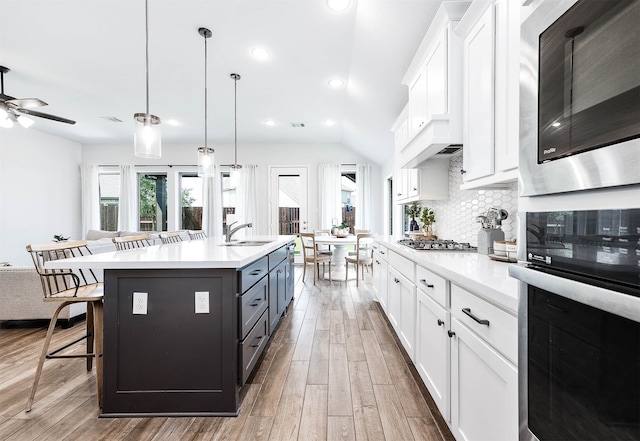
point(481, 321)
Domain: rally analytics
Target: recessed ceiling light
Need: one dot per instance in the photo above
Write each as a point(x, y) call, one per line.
point(269, 122)
point(259, 53)
point(336, 83)
point(337, 5)
point(173, 122)
point(329, 123)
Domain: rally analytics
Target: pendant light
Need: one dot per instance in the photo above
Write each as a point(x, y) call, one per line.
point(234, 175)
point(205, 154)
point(146, 139)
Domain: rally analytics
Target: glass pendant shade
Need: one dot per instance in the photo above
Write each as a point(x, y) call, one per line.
point(147, 139)
point(205, 162)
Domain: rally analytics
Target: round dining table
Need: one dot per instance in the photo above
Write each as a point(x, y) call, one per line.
point(339, 244)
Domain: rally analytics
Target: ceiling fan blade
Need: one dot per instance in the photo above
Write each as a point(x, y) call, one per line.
point(27, 103)
point(46, 116)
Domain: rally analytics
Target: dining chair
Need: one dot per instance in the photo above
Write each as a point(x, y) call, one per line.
point(173, 237)
point(356, 232)
point(196, 234)
point(69, 287)
point(363, 256)
point(131, 242)
point(312, 256)
point(322, 248)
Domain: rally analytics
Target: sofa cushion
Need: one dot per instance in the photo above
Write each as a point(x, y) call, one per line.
point(100, 234)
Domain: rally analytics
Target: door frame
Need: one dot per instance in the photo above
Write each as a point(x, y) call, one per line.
point(280, 170)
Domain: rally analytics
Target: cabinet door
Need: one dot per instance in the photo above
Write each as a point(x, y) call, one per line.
point(401, 183)
point(402, 309)
point(277, 289)
point(507, 75)
point(433, 350)
point(436, 68)
point(380, 279)
point(413, 182)
point(408, 317)
point(417, 103)
point(478, 108)
point(394, 298)
point(484, 389)
point(401, 134)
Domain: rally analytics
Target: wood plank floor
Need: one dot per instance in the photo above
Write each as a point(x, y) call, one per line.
point(333, 371)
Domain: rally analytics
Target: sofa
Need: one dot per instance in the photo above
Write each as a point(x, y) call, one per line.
point(21, 292)
point(21, 297)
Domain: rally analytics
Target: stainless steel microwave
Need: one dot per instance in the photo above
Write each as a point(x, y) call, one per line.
point(580, 96)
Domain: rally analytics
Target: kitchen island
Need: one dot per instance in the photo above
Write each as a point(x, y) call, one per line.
point(185, 323)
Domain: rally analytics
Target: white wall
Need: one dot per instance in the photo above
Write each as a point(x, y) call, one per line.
point(39, 191)
point(264, 156)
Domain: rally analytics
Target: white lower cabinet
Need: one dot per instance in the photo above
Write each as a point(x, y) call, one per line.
point(402, 308)
point(380, 268)
point(463, 347)
point(432, 350)
point(484, 389)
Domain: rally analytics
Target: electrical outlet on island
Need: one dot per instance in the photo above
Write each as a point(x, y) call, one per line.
point(202, 302)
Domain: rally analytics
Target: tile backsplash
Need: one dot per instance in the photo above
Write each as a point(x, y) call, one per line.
point(455, 217)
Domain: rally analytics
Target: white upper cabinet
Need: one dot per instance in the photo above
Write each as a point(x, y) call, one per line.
point(434, 81)
point(429, 182)
point(401, 129)
point(491, 45)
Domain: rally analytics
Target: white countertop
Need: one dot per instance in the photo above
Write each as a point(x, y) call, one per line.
point(204, 253)
point(475, 272)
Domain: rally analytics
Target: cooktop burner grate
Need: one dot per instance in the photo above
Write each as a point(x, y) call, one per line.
point(437, 244)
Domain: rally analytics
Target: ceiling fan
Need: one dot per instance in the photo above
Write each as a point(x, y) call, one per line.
point(15, 108)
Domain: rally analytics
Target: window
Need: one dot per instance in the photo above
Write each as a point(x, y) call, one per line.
point(153, 202)
point(228, 200)
point(109, 185)
point(349, 199)
point(190, 201)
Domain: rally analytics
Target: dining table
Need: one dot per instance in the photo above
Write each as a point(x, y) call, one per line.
point(339, 244)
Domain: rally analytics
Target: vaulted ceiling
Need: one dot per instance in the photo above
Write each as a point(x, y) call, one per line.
point(86, 58)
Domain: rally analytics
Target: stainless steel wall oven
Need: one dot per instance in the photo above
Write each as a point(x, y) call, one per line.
point(580, 96)
point(579, 326)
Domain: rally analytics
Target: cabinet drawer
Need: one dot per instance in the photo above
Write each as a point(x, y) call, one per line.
point(250, 274)
point(277, 256)
point(381, 250)
point(495, 326)
point(252, 304)
point(406, 267)
point(251, 347)
point(435, 286)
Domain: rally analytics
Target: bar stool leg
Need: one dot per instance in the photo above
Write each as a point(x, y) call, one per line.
point(98, 324)
point(43, 354)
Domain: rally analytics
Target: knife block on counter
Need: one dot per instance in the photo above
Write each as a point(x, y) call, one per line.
point(486, 236)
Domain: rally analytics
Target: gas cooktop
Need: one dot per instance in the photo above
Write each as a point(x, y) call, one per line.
point(437, 245)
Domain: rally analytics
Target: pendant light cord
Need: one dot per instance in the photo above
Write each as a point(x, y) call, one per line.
point(235, 121)
point(205, 92)
point(146, 31)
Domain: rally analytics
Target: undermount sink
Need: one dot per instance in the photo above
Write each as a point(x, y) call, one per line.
point(246, 243)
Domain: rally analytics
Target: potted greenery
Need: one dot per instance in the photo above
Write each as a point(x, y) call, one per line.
point(59, 238)
point(343, 230)
point(428, 217)
point(413, 211)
